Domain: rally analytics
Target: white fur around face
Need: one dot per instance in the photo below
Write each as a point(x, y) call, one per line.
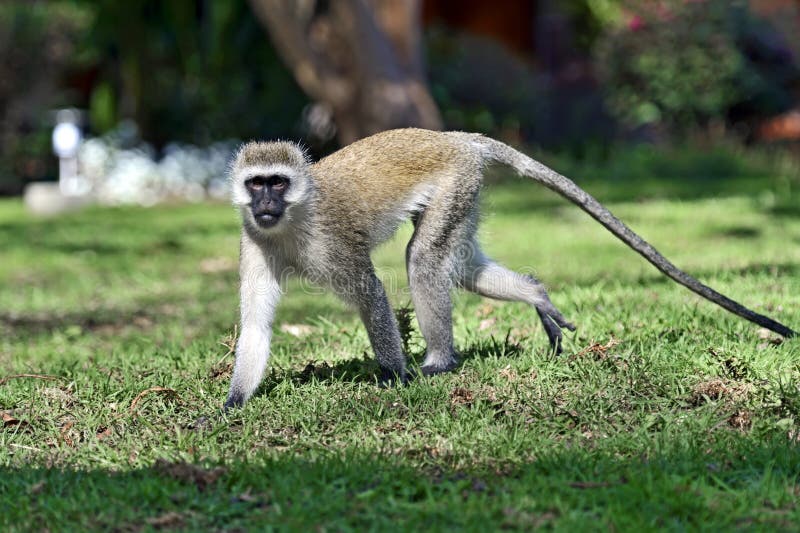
point(296, 194)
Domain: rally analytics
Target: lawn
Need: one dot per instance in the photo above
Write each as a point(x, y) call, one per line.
point(664, 412)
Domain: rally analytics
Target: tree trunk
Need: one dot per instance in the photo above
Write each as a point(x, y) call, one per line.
point(362, 59)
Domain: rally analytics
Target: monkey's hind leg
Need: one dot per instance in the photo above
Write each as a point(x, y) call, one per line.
point(487, 278)
point(433, 261)
point(430, 284)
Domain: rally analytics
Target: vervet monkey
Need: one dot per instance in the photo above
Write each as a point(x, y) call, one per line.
point(322, 220)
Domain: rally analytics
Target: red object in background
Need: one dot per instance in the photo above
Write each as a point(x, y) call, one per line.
point(785, 127)
point(510, 22)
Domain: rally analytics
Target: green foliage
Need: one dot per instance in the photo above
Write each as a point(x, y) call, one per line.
point(665, 412)
point(102, 108)
point(481, 86)
point(183, 71)
point(38, 44)
point(591, 18)
point(188, 72)
point(685, 63)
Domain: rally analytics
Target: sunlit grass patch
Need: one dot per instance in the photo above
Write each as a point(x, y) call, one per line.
point(664, 411)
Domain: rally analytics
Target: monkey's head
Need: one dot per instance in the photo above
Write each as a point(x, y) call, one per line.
point(269, 180)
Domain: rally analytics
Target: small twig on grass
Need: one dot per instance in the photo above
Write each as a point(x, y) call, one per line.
point(148, 391)
point(597, 349)
point(230, 344)
point(6, 379)
point(23, 447)
point(64, 436)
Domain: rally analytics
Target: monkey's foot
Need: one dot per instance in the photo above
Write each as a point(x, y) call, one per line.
point(391, 378)
point(552, 327)
point(234, 401)
point(439, 365)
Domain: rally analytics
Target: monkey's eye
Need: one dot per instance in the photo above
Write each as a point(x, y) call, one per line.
point(256, 183)
point(277, 182)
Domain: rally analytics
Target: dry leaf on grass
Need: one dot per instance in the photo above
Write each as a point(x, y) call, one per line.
point(64, 433)
point(145, 392)
point(600, 351)
point(11, 421)
point(6, 379)
point(170, 520)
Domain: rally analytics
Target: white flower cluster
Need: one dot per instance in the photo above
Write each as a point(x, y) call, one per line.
point(120, 175)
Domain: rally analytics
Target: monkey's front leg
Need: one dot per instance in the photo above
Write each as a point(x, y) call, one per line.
point(384, 334)
point(260, 291)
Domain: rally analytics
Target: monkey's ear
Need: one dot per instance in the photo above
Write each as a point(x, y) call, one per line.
point(305, 152)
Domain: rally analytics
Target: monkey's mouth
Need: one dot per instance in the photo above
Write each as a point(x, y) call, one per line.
point(266, 220)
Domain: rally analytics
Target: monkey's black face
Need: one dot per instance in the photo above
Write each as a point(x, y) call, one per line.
point(267, 198)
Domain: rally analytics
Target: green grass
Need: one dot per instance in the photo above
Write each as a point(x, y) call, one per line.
point(665, 412)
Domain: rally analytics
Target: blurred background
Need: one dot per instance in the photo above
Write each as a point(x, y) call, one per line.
point(162, 92)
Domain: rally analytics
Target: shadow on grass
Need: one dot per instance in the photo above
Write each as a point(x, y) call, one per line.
point(20, 325)
point(786, 210)
point(739, 232)
point(738, 481)
point(653, 277)
point(366, 370)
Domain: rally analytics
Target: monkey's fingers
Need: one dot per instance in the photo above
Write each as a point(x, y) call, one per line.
point(552, 330)
point(555, 315)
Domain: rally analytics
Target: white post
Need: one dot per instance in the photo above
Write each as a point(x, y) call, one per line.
point(66, 141)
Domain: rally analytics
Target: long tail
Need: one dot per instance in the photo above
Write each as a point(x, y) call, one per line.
point(496, 151)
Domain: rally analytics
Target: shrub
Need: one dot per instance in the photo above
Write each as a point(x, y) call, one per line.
point(37, 44)
point(685, 63)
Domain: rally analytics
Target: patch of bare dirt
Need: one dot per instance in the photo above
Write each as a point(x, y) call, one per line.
point(741, 420)
point(461, 396)
point(103, 321)
point(221, 371)
point(718, 389)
